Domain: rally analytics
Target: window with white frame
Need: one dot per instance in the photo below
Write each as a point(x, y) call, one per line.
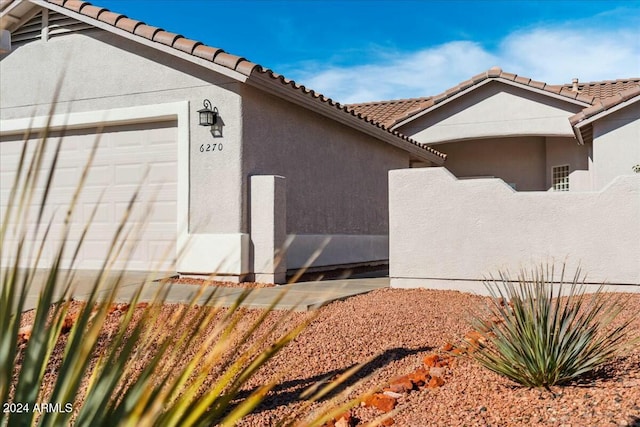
point(560, 178)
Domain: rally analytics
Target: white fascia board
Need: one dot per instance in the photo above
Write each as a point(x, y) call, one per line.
point(274, 87)
point(125, 115)
point(145, 41)
point(484, 82)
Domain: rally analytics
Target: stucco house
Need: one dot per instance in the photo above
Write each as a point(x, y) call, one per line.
point(535, 174)
point(533, 135)
point(281, 166)
point(336, 185)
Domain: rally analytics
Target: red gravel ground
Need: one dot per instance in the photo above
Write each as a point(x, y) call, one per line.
point(392, 330)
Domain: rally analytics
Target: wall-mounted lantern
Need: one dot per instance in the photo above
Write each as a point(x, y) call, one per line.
point(209, 117)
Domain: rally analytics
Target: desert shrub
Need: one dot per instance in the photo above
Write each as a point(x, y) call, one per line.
point(539, 333)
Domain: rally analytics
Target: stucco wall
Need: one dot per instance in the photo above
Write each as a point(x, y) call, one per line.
point(101, 71)
point(336, 177)
point(449, 233)
point(526, 162)
point(567, 151)
point(616, 144)
point(519, 161)
point(494, 110)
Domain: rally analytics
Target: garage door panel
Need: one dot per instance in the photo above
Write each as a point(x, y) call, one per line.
point(118, 169)
point(99, 176)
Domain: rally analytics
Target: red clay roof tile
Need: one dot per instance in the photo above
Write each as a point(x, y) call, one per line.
point(228, 60)
point(165, 37)
point(586, 98)
point(564, 91)
point(585, 132)
point(206, 52)
point(536, 84)
point(385, 112)
point(146, 31)
point(494, 72)
point(92, 11)
point(75, 5)
point(508, 76)
point(522, 80)
point(186, 45)
point(611, 101)
point(246, 67)
point(110, 17)
point(128, 24)
point(606, 88)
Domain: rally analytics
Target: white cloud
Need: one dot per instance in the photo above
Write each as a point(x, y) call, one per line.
point(552, 55)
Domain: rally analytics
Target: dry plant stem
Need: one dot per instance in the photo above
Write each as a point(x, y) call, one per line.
point(115, 381)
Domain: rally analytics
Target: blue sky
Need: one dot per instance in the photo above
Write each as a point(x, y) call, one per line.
point(356, 51)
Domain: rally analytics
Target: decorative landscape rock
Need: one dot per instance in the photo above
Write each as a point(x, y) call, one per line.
point(381, 402)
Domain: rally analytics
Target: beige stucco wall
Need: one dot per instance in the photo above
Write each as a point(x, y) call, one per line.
point(336, 176)
point(567, 151)
point(525, 161)
point(336, 179)
point(616, 144)
point(520, 161)
point(494, 110)
point(101, 71)
point(451, 233)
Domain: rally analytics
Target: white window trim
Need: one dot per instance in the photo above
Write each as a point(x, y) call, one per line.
point(553, 177)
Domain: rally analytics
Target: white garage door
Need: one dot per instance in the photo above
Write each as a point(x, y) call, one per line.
point(124, 153)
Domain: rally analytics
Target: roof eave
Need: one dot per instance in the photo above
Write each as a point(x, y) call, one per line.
point(16, 14)
point(143, 40)
point(583, 128)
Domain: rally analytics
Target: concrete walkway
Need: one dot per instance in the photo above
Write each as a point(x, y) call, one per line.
point(301, 296)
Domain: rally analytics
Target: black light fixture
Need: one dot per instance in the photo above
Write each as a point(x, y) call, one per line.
point(207, 116)
point(210, 117)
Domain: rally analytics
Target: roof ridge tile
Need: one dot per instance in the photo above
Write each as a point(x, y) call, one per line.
point(109, 17)
point(128, 24)
point(92, 11)
point(75, 5)
point(186, 45)
point(166, 37)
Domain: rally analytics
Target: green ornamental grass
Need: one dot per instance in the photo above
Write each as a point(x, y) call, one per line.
point(543, 333)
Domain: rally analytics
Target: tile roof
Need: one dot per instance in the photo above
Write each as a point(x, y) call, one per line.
point(221, 58)
point(606, 88)
point(392, 112)
point(495, 73)
point(582, 127)
point(601, 105)
point(385, 112)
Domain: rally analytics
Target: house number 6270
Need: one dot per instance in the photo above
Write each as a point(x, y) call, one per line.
point(210, 147)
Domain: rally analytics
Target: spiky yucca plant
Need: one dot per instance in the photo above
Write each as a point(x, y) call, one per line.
point(140, 378)
point(539, 333)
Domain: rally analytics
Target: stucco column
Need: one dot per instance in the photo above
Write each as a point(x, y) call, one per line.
point(268, 228)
